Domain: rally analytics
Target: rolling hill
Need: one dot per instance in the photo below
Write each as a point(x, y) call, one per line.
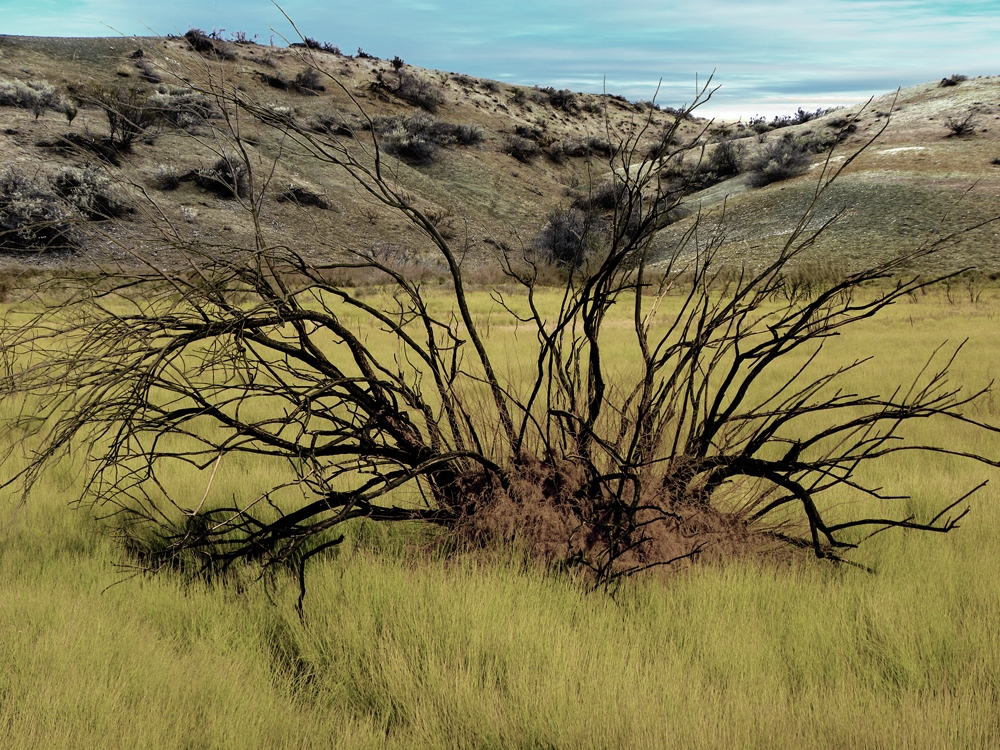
point(489, 162)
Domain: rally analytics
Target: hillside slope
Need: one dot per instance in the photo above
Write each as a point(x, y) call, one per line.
point(523, 153)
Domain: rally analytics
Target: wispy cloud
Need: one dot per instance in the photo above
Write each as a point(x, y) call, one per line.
point(767, 55)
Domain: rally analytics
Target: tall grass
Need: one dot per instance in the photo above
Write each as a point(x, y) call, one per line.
point(400, 648)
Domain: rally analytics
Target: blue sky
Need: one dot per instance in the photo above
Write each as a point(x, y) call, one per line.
point(769, 57)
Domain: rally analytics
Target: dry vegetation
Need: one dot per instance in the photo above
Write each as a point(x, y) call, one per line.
point(259, 341)
point(502, 157)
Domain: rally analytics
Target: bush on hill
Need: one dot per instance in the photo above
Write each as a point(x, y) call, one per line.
point(777, 160)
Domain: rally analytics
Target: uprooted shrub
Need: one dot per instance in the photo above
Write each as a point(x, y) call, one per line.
point(777, 160)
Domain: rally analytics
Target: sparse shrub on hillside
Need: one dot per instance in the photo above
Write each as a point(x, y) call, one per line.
point(209, 44)
point(265, 57)
point(416, 139)
point(526, 131)
point(537, 95)
point(961, 127)
point(588, 146)
point(281, 113)
point(227, 178)
point(561, 99)
point(604, 196)
point(362, 55)
point(522, 149)
point(760, 124)
point(316, 46)
point(241, 38)
point(128, 110)
point(32, 216)
point(199, 40)
point(726, 159)
point(569, 237)
point(777, 160)
point(517, 96)
point(556, 152)
point(953, 80)
point(146, 72)
point(415, 146)
point(181, 106)
point(37, 96)
point(820, 142)
point(334, 123)
point(308, 81)
point(418, 92)
point(662, 144)
point(302, 196)
point(77, 144)
point(166, 177)
point(467, 135)
point(275, 80)
point(802, 115)
point(91, 192)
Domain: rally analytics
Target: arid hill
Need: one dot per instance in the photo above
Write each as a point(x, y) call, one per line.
point(490, 162)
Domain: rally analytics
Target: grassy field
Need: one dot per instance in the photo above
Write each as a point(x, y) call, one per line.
point(404, 649)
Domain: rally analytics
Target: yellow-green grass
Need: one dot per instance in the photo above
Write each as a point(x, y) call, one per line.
point(403, 650)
